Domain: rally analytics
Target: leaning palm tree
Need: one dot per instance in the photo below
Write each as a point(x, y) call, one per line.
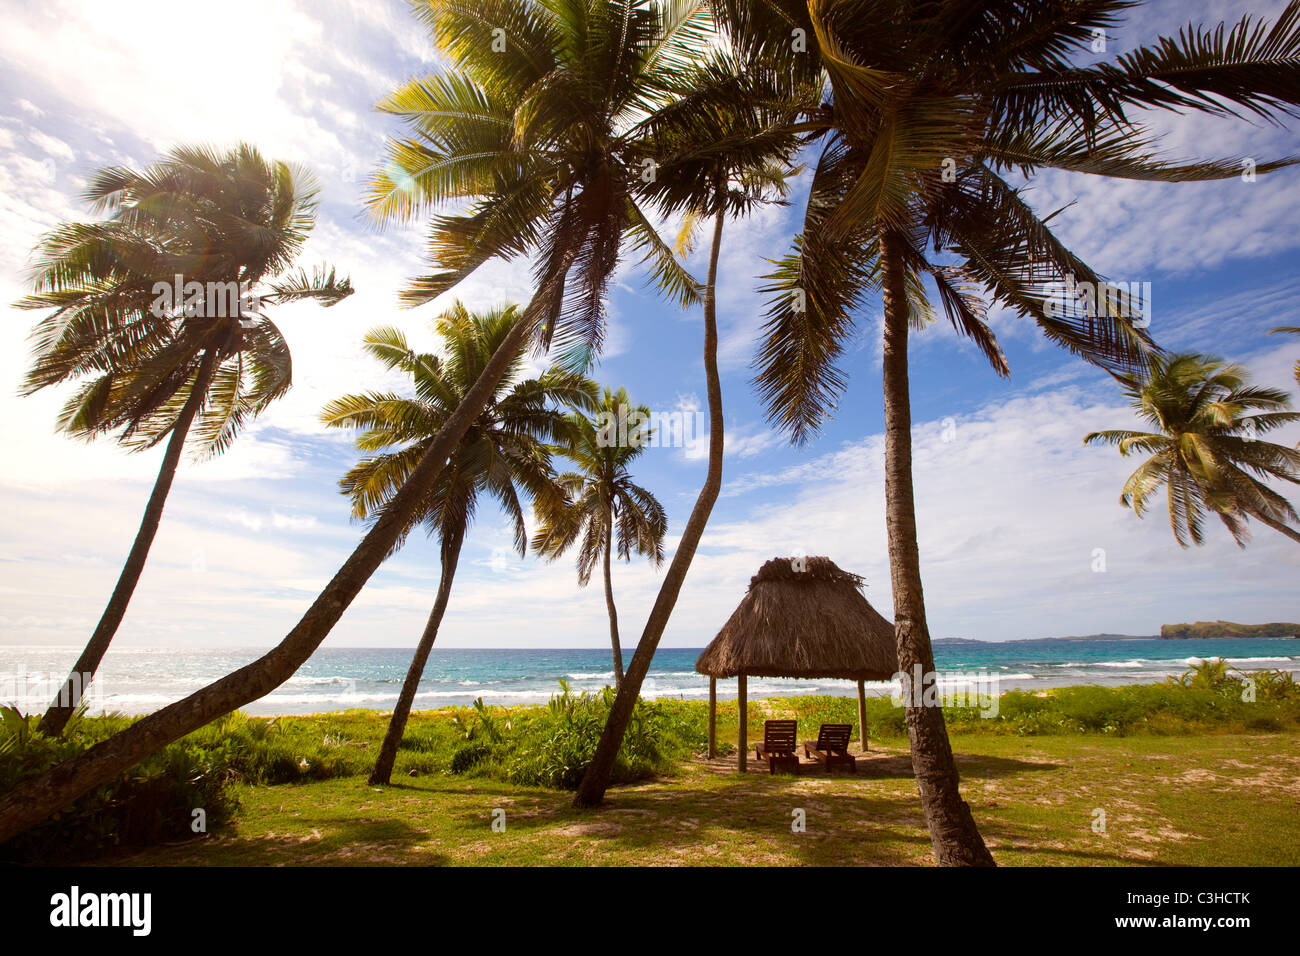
point(1205, 450)
point(503, 452)
point(930, 106)
point(559, 83)
point(601, 504)
point(157, 316)
point(1294, 330)
point(726, 144)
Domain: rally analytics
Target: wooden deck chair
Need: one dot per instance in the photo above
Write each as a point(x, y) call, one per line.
point(832, 747)
point(778, 745)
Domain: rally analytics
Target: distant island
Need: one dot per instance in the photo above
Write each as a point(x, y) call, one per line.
point(1204, 629)
point(1040, 640)
point(1168, 632)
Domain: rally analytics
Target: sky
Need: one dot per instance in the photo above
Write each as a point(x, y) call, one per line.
point(1020, 529)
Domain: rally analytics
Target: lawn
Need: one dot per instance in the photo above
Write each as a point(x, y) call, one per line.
point(1226, 799)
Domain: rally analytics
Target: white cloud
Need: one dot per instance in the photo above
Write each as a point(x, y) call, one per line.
point(52, 145)
point(293, 522)
point(746, 441)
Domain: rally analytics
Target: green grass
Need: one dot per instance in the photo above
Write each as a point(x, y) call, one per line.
point(1226, 799)
point(1192, 772)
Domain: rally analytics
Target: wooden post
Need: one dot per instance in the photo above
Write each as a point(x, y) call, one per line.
point(742, 715)
point(713, 717)
point(862, 713)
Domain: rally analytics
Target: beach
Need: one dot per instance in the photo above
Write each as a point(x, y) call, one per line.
point(139, 680)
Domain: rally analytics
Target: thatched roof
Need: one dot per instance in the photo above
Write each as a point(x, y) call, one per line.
point(803, 623)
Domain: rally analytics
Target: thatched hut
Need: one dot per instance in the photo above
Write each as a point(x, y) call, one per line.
point(801, 617)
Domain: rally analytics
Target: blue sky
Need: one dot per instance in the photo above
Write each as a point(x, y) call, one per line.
point(1011, 506)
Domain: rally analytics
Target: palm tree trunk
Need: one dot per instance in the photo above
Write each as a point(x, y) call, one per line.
point(596, 779)
point(35, 799)
point(953, 833)
point(83, 672)
point(609, 601)
point(1277, 526)
point(397, 724)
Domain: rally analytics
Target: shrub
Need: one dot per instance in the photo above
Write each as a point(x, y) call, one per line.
point(555, 745)
point(468, 756)
point(151, 803)
point(1275, 685)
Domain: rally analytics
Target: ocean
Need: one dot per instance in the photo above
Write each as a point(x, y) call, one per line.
point(137, 680)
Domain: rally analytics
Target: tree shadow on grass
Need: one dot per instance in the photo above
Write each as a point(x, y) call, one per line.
point(725, 817)
point(710, 814)
point(329, 841)
point(736, 824)
point(722, 816)
point(842, 827)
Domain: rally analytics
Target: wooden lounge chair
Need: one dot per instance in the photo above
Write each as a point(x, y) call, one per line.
point(832, 747)
point(778, 745)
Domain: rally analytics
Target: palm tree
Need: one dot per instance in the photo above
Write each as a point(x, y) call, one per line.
point(156, 315)
point(1294, 330)
point(930, 105)
point(503, 452)
point(549, 90)
point(726, 143)
point(538, 131)
point(1205, 449)
point(602, 503)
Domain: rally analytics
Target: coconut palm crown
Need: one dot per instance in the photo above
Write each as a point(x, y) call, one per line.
point(603, 510)
point(933, 113)
point(196, 221)
point(505, 450)
point(536, 131)
point(1206, 449)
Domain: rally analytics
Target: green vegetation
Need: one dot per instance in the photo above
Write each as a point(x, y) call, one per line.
point(547, 746)
point(151, 803)
point(242, 761)
point(555, 745)
point(1223, 800)
point(1226, 629)
point(1198, 704)
point(551, 746)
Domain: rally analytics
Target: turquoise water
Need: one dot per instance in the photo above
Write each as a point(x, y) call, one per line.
point(140, 680)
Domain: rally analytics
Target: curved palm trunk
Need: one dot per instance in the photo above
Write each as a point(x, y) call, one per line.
point(397, 724)
point(83, 672)
point(1277, 526)
point(596, 779)
point(609, 601)
point(35, 799)
point(956, 840)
